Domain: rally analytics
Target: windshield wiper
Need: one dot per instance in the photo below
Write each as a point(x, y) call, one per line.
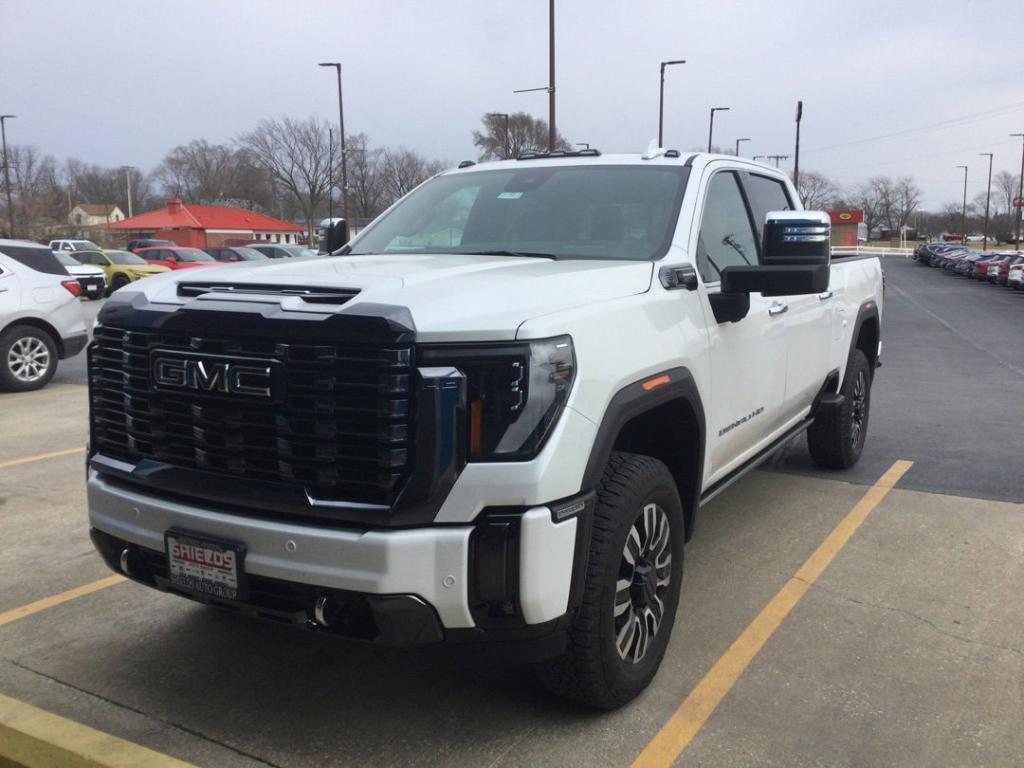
point(526, 254)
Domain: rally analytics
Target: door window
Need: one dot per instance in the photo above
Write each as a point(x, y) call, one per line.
point(726, 238)
point(765, 195)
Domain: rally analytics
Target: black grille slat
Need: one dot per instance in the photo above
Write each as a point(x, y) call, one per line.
point(340, 427)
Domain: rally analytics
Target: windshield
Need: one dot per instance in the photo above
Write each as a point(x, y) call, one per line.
point(84, 245)
point(192, 254)
point(580, 212)
point(249, 254)
point(66, 260)
point(125, 257)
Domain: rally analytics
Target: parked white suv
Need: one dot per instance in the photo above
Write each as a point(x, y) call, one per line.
point(41, 319)
point(92, 280)
point(490, 419)
point(73, 245)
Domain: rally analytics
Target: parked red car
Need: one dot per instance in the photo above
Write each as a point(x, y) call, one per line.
point(176, 258)
point(1000, 270)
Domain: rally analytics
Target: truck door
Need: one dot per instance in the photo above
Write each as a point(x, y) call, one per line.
point(808, 318)
point(748, 357)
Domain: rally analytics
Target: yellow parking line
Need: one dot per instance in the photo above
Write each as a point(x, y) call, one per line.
point(691, 715)
point(34, 738)
point(40, 457)
point(49, 602)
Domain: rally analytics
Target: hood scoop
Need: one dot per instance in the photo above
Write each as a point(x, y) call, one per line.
point(308, 294)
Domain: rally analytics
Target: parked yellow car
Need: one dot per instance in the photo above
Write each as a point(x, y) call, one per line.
point(121, 267)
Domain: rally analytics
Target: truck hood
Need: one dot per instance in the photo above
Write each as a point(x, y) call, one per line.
point(451, 297)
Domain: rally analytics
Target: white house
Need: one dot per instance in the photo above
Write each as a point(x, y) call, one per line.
point(93, 215)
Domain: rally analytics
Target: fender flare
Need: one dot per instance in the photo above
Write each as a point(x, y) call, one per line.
point(633, 400)
point(867, 311)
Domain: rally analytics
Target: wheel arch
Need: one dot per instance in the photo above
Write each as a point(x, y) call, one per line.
point(867, 331)
point(42, 325)
point(661, 416)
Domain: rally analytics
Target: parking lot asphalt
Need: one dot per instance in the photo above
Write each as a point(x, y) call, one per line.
point(906, 650)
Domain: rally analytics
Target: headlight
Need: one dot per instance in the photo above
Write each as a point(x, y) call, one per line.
point(514, 393)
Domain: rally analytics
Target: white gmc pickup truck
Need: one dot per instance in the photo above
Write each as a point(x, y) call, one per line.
point(491, 419)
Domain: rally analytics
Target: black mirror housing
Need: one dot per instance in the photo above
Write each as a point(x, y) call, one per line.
point(784, 280)
point(796, 239)
point(337, 235)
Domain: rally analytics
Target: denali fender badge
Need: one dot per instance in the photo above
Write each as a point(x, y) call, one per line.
point(253, 378)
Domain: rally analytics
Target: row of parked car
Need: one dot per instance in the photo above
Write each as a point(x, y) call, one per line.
point(102, 271)
point(998, 267)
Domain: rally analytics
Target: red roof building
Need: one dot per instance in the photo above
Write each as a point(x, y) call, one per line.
point(199, 226)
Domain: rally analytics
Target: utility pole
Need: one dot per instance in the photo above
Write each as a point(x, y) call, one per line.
point(661, 100)
point(796, 155)
point(988, 197)
point(551, 76)
point(330, 165)
point(963, 211)
point(711, 124)
point(777, 158)
point(7, 174)
point(1020, 192)
point(341, 134)
point(508, 145)
point(738, 146)
point(128, 182)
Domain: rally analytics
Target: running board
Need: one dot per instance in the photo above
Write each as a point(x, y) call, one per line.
point(753, 463)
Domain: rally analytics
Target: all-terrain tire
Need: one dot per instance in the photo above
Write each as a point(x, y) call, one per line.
point(634, 490)
point(836, 438)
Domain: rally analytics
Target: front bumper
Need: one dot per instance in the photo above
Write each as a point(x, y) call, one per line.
point(516, 573)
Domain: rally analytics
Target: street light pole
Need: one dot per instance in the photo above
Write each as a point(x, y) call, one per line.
point(796, 156)
point(552, 133)
point(341, 134)
point(711, 126)
point(1020, 192)
point(661, 100)
point(508, 148)
point(738, 146)
point(7, 173)
point(988, 197)
point(128, 182)
point(963, 211)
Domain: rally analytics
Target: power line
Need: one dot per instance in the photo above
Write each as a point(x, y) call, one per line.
point(952, 122)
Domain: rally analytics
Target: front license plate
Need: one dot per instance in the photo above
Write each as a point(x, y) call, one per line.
point(211, 567)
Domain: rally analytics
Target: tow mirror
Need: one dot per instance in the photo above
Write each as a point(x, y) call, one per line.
point(795, 255)
point(337, 235)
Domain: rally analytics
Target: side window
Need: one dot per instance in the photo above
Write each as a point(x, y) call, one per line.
point(726, 238)
point(765, 195)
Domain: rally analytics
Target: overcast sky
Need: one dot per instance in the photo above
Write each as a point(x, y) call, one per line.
point(122, 82)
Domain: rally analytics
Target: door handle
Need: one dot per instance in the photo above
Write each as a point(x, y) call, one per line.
point(778, 309)
point(826, 295)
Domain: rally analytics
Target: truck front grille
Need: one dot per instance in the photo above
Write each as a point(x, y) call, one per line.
point(338, 426)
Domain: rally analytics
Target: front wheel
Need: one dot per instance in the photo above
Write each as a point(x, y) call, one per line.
point(634, 572)
point(836, 438)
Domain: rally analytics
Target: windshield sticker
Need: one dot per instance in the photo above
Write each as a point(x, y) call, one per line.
point(510, 195)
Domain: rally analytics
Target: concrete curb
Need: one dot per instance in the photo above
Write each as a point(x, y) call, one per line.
point(34, 738)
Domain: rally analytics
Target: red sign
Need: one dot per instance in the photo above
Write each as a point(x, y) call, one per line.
point(1018, 202)
point(847, 217)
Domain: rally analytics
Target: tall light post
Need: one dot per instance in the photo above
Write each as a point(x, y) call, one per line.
point(963, 211)
point(796, 156)
point(508, 146)
point(7, 173)
point(988, 197)
point(341, 135)
point(661, 100)
point(128, 183)
point(1020, 192)
point(711, 126)
point(552, 133)
point(738, 146)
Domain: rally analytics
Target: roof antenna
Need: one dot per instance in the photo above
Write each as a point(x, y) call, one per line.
point(653, 151)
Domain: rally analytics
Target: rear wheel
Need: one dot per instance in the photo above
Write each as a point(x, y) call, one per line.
point(836, 438)
point(28, 358)
point(634, 573)
point(119, 281)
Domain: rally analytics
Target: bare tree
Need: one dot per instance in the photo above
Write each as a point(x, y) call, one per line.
point(817, 191)
point(906, 197)
point(525, 134)
point(35, 190)
point(868, 197)
point(404, 169)
point(297, 156)
point(1005, 187)
point(201, 172)
point(366, 194)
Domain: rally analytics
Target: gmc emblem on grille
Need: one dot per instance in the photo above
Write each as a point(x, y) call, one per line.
point(229, 377)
